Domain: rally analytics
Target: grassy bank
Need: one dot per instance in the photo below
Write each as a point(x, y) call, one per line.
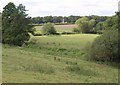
point(54, 59)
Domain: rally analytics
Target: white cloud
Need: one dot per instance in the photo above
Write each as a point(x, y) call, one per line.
point(67, 7)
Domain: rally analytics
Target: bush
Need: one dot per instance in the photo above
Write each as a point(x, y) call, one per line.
point(105, 47)
point(76, 30)
point(48, 29)
point(80, 70)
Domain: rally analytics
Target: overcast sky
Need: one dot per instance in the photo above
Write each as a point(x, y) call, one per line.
point(66, 7)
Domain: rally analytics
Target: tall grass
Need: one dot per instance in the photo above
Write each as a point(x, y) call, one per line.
point(81, 70)
point(42, 68)
point(54, 59)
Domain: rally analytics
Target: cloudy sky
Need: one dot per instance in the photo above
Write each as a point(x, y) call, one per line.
point(66, 7)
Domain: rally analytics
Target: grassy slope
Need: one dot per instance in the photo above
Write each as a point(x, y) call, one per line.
point(35, 64)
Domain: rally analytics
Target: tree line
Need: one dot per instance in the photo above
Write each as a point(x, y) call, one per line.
point(65, 19)
point(94, 24)
point(86, 24)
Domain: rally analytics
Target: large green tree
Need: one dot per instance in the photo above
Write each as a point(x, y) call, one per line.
point(85, 25)
point(16, 25)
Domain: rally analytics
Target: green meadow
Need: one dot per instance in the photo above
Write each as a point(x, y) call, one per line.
point(55, 59)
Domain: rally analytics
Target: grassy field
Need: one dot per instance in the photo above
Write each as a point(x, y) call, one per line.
point(75, 41)
point(55, 59)
point(59, 28)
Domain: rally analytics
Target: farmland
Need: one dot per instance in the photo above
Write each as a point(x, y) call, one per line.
point(59, 28)
point(55, 59)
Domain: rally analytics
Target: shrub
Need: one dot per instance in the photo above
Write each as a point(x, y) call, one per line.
point(105, 47)
point(48, 29)
point(76, 30)
point(80, 70)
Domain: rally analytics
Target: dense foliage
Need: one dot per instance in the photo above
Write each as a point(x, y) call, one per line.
point(16, 25)
point(105, 47)
point(95, 24)
point(54, 19)
point(99, 27)
point(66, 19)
point(85, 25)
point(48, 29)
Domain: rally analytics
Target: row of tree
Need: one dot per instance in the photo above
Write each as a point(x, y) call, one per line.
point(85, 25)
point(60, 19)
point(94, 25)
point(54, 19)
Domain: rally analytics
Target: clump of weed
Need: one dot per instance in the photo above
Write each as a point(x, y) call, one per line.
point(79, 70)
point(57, 58)
point(40, 68)
point(61, 49)
point(71, 63)
point(47, 43)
